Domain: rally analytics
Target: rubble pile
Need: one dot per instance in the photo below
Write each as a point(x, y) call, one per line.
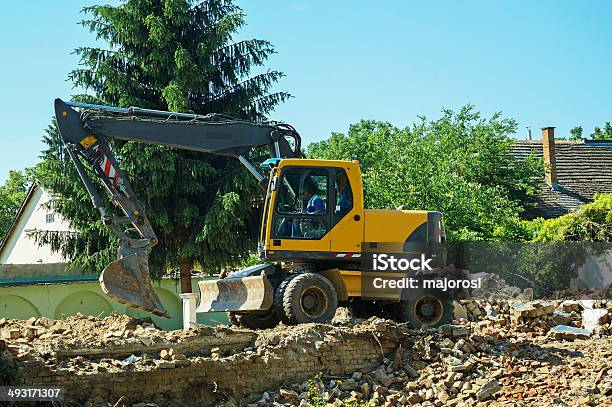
point(493, 286)
point(561, 318)
point(464, 365)
point(87, 344)
point(496, 352)
point(499, 352)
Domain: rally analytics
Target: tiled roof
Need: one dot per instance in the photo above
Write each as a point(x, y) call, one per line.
point(583, 169)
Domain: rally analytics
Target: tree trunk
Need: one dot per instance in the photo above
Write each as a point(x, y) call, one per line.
point(185, 267)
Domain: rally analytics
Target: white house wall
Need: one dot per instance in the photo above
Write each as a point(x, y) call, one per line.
point(21, 249)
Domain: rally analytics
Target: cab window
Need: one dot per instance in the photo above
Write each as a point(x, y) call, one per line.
point(302, 203)
point(343, 195)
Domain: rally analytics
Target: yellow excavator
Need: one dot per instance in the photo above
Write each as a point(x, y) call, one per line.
point(316, 239)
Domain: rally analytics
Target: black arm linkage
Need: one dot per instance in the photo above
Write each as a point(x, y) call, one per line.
point(86, 134)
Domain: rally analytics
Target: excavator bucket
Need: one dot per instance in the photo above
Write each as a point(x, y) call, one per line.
point(127, 281)
point(253, 293)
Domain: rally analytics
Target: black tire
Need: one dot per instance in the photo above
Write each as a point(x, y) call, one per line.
point(309, 297)
point(425, 311)
point(278, 301)
point(255, 320)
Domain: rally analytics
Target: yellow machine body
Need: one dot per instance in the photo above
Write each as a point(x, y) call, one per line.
point(336, 248)
point(356, 227)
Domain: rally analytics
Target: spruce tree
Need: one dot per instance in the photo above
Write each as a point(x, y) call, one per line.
point(176, 55)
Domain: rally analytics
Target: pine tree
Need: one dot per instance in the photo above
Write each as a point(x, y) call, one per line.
point(176, 55)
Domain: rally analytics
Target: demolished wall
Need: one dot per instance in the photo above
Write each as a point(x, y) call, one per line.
point(194, 368)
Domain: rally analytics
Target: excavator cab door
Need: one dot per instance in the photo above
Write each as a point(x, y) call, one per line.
point(347, 217)
point(301, 213)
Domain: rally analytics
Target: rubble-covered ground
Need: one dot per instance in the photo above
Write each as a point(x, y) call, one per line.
point(556, 353)
point(533, 354)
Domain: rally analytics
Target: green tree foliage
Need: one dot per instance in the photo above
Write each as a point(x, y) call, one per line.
point(560, 246)
point(177, 55)
point(602, 134)
point(460, 164)
point(591, 223)
point(12, 194)
point(576, 133)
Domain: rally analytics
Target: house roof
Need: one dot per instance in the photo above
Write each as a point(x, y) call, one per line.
point(584, 168)
point(15, 222)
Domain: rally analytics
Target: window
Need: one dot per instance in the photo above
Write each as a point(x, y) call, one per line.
point(300, 228)
point(302, 199)
point(50, 218)
point(303, 191)
point(343, 195)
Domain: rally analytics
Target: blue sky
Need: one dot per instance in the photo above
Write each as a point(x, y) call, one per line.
point(543, 63)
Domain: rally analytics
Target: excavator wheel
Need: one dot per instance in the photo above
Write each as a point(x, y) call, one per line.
point(254, 320)
point(425, 310)
point(278, 301)
point(309, 297)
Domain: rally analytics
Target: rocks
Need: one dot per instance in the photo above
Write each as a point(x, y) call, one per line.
point(414, 398)
point(531, 310)
point(461, 367)
point(349, 385)
point(164, 364)
point(453, 330)
point(13, 334)
point(487, 390)
point(365, 389)
point(569, 332)
point(571, 306)
point(381, 376)
point(288, 394)
point(561, 318)
point(411, 372)
point(380, 325)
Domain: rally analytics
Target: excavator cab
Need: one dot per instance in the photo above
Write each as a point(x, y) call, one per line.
point(313, 208)
point(308, 203)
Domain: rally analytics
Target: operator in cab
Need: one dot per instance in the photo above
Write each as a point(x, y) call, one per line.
point(314, 202)
point(314, 205)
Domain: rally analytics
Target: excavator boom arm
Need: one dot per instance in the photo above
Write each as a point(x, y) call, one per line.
point(86, 134)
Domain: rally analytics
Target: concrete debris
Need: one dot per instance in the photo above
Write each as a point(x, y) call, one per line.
point(487, 390)
point(532, 309)
point(493, 286)
point(571, 306)
point(498, 352)
point(569, 332)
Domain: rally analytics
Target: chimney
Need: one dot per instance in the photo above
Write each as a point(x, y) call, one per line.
point(529, 133)
point(550, 159)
